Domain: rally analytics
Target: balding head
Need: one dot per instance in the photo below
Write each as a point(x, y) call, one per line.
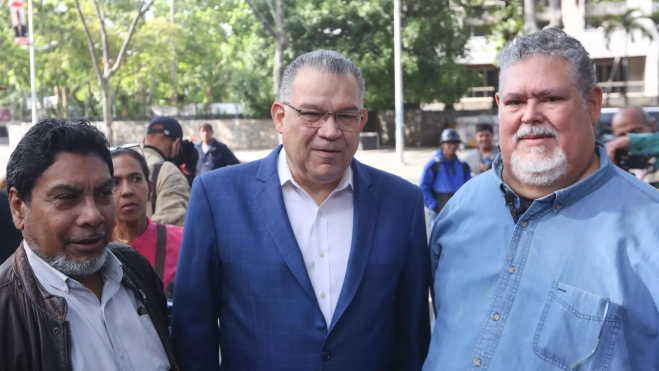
point(632, 120)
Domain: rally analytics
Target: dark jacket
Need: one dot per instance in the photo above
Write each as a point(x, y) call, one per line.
point(10, 237)
point(219, 155)
point(34, 335)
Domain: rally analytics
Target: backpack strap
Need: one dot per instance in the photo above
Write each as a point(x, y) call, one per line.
point(466, 169)
point(161, 246)
point(154, 179)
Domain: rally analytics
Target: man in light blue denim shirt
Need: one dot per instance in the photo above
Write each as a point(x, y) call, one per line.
point(551, 261)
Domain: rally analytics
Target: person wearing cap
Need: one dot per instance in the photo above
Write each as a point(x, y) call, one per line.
point(171, 190)
point(443, 175)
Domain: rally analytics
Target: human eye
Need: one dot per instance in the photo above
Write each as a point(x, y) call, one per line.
point(137, 179)
point(312, 114)
point(553, 99)
point(348, 117)
point(514, 102)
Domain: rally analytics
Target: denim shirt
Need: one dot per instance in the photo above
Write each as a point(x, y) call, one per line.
point(578, 273)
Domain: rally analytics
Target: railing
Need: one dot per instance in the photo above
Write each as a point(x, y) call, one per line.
point(481, 92)
point(619, 86)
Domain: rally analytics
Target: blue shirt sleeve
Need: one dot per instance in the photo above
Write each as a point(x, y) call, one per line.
point(426, 186)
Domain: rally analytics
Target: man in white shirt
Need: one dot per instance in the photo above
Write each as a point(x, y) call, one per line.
point(69, 300)
point(309, 259)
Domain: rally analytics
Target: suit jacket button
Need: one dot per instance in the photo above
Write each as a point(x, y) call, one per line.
point(325, 356)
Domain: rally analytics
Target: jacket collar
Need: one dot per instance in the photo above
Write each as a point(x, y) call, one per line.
point(273, 213)
point(575, 192)
point(51, 306)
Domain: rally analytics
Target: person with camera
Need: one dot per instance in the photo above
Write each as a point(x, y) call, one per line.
point(171, 191)
point(480, 159)
point(636, 145)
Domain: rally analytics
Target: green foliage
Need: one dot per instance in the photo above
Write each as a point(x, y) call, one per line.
point(224, 54)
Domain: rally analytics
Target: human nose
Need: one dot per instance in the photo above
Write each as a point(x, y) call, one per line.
point(125, 190)
point(532, 113)
point(330, 128)
point(90, 213)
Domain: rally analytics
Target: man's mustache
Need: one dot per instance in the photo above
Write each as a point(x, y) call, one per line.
point(91, 235)
point(528, 130)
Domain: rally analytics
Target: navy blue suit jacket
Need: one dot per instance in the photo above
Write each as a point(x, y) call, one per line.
point(240, 263)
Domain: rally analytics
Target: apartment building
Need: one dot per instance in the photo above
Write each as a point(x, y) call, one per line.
point(582, 19)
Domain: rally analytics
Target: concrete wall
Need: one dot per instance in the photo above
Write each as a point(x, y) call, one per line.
point(422, 128)
point(236, 133)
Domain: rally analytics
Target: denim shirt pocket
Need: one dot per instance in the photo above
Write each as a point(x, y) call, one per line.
point(577, 329)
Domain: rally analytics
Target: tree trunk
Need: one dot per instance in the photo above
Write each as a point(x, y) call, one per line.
point(555, 17)
point(58, 96)
point(530, 25)
point(65, 102)
point(172, 68)
point(278, 67)
point(107, 108)
point(209, 99)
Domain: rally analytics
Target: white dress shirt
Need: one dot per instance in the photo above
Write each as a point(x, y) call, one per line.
point(323, 233)
point(108, 334)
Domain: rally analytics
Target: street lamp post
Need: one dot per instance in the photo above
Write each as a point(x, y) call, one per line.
point(398, 79)
point(33, 82)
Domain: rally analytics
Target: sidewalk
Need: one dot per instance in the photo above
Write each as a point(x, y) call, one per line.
point(384, 159)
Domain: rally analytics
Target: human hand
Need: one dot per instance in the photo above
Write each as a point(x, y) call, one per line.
point(615, 145)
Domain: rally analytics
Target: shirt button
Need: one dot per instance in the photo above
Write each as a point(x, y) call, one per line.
point(320, 213)
point(525, 224)
point(322, 254)
point(478, 362)
point(325, 356)
point(511, 269)
point(322, 295)
point(558, 206)
point(495, 317)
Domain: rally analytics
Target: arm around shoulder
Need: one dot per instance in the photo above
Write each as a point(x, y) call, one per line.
point(411, 305)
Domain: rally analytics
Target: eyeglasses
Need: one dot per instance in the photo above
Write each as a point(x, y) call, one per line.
point(315, 118)
point(134, 146)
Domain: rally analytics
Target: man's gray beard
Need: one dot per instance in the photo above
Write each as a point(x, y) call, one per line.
point(541, 172)
point(71, 267)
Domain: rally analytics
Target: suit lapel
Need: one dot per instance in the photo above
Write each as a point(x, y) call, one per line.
point(273, 214)
point(363, 229)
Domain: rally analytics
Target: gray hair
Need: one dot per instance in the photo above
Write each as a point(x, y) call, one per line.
point(646, 116)
point(553, 42)
point(323, 61)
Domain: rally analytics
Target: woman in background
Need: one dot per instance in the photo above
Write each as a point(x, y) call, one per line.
point(158, 243)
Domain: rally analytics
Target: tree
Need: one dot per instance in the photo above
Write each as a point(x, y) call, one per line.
point(107, 67)
point(278, 33)
point(530, 25)
point(631, 23)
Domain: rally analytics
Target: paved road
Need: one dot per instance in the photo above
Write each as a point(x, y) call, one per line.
point(384, 159)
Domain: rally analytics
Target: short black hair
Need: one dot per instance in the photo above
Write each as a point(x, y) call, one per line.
point(136, 156)
point(36, 151)
point(484, 127)
point(207, 127)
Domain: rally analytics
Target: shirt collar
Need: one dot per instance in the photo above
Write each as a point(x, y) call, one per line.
point(47, 275)
point(285, 176)
point(566, 196)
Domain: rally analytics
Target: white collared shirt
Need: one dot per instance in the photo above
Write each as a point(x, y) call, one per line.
point(323, 233)
point(108, 334)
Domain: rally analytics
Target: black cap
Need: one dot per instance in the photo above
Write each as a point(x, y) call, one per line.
point(170, 127)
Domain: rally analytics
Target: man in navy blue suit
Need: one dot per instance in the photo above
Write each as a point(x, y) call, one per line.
point(309, 259)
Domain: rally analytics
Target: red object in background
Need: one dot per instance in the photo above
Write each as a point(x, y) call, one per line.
point(5, 115)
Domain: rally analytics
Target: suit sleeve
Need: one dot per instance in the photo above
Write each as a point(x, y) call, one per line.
point(197, 292)
point(411, 305)
point(173, 196)
point(426, 184)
